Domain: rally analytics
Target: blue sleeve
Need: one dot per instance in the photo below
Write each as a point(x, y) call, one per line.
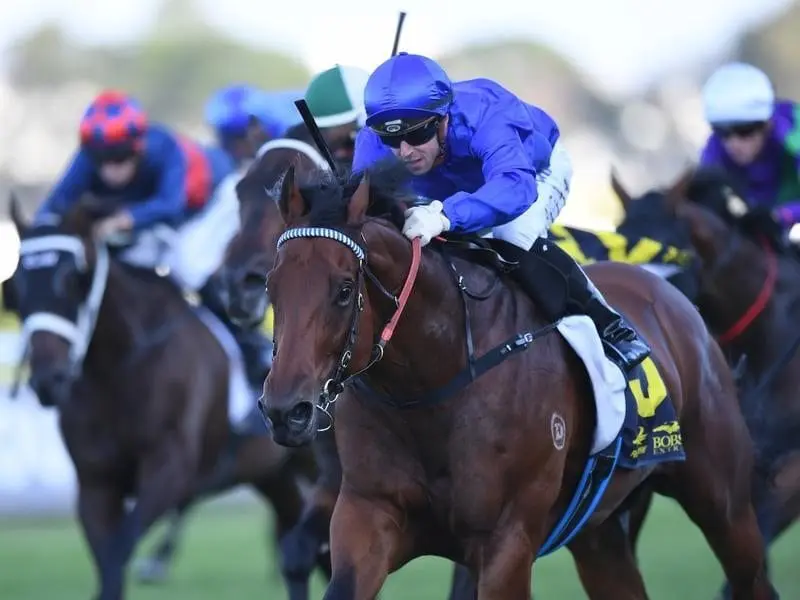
point(75, 182)
point(369, 150)
point(509, 174)
point(712, 153)
point(169, 202)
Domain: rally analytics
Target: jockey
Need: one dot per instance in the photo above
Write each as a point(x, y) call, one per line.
point(275, 112)
point(239, 132)
point(755, 138)
point(493, 163)
point(336, 99)
point(164, 185)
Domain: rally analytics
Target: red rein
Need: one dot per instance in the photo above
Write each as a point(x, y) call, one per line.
point(761, 301)
point(402, 299)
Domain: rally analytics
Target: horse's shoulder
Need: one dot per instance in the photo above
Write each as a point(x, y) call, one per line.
point(151, 283)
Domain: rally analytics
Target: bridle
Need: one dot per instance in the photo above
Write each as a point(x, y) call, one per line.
point(339, 378)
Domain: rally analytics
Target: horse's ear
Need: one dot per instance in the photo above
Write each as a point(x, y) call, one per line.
point(620, 191)
point(291, 203)
point(359, 202)
point(681, 186)
point(15, 212)
point(677, 195)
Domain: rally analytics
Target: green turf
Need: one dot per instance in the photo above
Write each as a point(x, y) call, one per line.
point(225, 556)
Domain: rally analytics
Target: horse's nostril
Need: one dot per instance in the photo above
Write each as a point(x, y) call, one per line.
point(299, 416)
point(254, 280)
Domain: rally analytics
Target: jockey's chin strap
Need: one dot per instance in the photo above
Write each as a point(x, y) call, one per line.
point(78, 334)
point(761, 300)
point(339, 378)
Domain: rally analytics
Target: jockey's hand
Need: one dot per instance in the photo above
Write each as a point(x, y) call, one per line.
point(425, 222)
point(121, 221)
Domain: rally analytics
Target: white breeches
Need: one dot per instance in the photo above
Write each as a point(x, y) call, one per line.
point(196, 249)
point(553, 187)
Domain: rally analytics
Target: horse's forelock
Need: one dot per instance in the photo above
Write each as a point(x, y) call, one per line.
point(329, 196)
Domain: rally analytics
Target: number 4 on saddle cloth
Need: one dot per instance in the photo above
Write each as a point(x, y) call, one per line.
point(636, 426)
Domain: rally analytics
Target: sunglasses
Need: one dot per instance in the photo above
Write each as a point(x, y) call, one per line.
point(740, 130)
point(422, 134)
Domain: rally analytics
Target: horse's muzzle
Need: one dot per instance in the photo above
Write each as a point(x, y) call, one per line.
point(52, 385)
point(292, 426)
point(246, 298)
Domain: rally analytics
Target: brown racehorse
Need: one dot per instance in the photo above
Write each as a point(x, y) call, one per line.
point(250, 255)
point(141, 387)
point(297, 555)
point(748, 290)
point(475, 478)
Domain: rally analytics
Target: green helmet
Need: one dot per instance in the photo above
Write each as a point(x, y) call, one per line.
point(336, 96)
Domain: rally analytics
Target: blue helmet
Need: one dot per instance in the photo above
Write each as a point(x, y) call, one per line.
point(274, 110)
point(226, 110)
point(404, 90)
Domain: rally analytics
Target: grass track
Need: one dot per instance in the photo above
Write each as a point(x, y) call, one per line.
point(225, 555)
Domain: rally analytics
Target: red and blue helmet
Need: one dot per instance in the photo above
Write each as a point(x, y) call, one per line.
point(113, 126)
point(404, 91)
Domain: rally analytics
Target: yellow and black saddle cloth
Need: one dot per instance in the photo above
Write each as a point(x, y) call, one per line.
point(651, 433)
point(587, 247)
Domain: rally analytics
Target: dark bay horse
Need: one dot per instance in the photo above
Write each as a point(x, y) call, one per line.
point(748, 291)
point(475, 478)
point(276, 155)
point(141, 386)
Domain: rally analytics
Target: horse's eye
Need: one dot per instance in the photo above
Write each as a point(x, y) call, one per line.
point(345, 294)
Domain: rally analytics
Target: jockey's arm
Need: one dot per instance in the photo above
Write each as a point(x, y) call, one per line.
point(510, 178)
point(75, 182)
point(168, 204)
point(788, 213)
point(711, 155)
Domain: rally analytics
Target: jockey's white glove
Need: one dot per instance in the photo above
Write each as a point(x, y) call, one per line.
point(425, 222)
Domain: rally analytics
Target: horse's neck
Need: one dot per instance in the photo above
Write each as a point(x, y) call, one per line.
point(428, 347)
point(132, 303)
point(778, 325)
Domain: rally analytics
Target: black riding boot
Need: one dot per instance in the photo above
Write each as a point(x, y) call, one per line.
point(256, 348)
point(559, 287)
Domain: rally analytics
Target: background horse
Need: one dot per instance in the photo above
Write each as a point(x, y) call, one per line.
point(472, 478)
point(141, 386)
point(246, 457)
point(748, 291)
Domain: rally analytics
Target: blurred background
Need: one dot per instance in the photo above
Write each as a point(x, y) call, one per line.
point(621, 77)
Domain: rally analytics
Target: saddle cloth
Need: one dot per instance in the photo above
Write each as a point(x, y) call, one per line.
point(638, 408)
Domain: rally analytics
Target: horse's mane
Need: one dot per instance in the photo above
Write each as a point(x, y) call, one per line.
point(300, 132)
point(327, 196)
point(712, 187)
point(719, 191)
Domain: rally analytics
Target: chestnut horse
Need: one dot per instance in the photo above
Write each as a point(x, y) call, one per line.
point(443, 442)
point(747, 281)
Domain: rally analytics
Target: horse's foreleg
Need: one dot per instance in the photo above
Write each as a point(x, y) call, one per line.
point(463, 586)
point(164, 481)
point(606, 563)
point(283, 493)
point(153, 569)
point(368, 540)
point(507, 561)
point(101, 508)
point(635, 516)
